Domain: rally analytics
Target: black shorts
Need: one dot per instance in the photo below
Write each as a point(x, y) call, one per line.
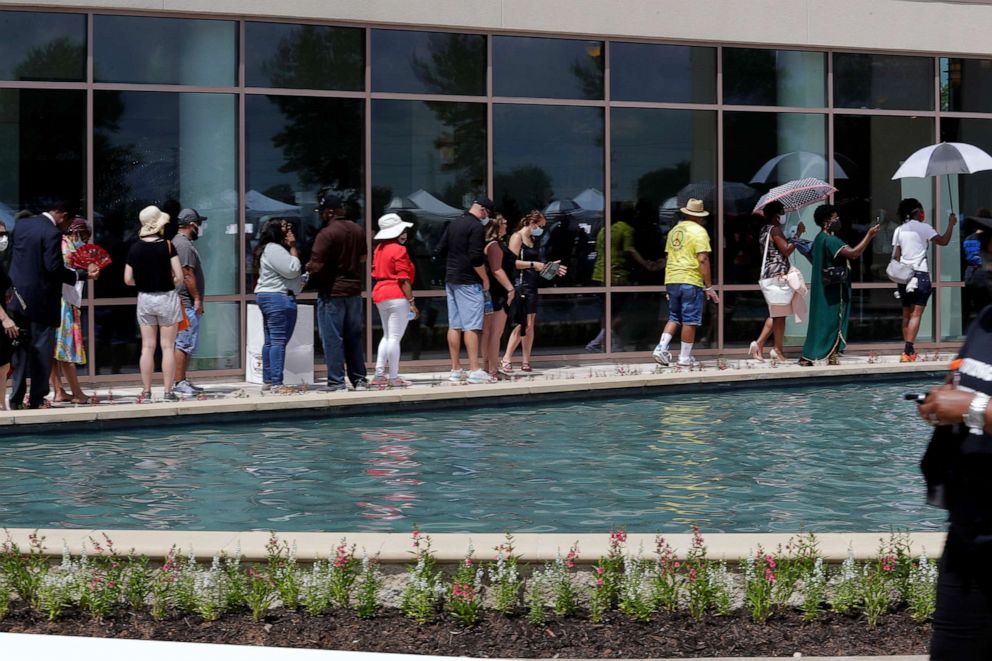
point(530, 299)
point(6, 349)
point(920, 295)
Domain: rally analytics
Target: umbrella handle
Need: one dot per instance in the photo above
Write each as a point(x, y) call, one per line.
point(950, 193)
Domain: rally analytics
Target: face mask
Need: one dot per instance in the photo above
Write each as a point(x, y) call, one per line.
point(77, 243)
point(484, 220)
point(781, 220)
point(922, 217)
point(536, 231)
point(402, 238)
point(196, 233)
point(4, 240)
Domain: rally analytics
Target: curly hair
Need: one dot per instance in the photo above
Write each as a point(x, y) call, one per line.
point(532, 218)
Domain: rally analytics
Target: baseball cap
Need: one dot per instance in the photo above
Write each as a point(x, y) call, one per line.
point(327, 199)
point(187, 216)
point(485, 203)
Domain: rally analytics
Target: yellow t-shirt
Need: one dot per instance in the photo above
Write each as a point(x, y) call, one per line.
point(685, 240)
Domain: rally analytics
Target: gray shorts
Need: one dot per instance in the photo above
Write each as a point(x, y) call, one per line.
point(159, 308)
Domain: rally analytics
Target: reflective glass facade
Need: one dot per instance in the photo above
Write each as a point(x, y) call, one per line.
point(246, 118)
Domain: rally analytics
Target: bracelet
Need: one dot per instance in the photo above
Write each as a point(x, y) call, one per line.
point(974, 417)
point(410, 300)
point(707, 289)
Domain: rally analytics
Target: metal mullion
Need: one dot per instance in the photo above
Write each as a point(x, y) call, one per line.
point(147, 87)
point(607, 199)
point(813, 110)
point(663, 105)
point(89, 304)
point(242, 186)
point(965, 115)
point(288, 91)
point(720, 330)
point(532, 101)
point(938, 206)
point(37, 85)
point(830, 121)
point(490, 159)
point(878, 112)
point(401, 96)
point(367, 177)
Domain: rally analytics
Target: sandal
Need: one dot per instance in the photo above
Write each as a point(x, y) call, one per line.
point(754, 351)
point(525, 367)
point(505, 367)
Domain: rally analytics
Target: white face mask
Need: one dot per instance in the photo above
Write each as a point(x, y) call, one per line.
point(781, 220)
point(484, 220)
point(536, 231)
point(4, 242)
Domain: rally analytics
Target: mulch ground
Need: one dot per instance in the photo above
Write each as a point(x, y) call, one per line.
point(496, 636)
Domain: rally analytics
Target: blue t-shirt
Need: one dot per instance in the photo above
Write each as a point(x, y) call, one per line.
point(973, 250)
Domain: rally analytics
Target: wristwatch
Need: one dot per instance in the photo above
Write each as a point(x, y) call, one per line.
point(974, 417)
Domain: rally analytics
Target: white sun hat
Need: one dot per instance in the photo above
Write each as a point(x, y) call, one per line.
point(391, 226)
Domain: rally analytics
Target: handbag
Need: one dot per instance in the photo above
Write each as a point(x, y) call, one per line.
point(775, 289)
point(835, 275)
point(898, 272)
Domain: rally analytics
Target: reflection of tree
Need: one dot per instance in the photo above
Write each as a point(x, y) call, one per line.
point(522, 189)
point(62, 58)
point(321, 139)
point(588, 71)
point(746, 76)
point(456, 67)
point(658, 185)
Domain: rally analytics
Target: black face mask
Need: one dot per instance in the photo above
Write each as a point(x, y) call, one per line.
point(196, 233)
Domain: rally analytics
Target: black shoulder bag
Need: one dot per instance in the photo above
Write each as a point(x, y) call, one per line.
point(835, 275)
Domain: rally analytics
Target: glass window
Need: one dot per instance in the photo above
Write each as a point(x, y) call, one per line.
point(870, 149)
point(118, 339)
point(166, 51)
point(550, 158)
point(42, 46)
point(958, 308)
point(428, 162)
point(425, 338)
point(639, 317)
point(970, 195)
point(659, 159)
point(876, 316)
point(172, 150)
point(294, 146)
point(428, 62)
point(753, 164)
point(547, 68)
point(890, 82)
point(757, 77)
point(37, 162)
point(565, 324)
point(671, 74)
point(965, 85)
point(304, 56)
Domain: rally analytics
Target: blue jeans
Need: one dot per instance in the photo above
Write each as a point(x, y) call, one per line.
point(279, 320)
point(685, 304)
point(340, 321)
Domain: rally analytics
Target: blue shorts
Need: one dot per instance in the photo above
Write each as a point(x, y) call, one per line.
point(466, 307)
point(920, 295)
point(188, 340)
point(685, 304)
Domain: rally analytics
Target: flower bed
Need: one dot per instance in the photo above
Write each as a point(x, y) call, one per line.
point(629, 604)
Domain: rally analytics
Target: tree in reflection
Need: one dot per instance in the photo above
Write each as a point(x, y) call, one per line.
point(588, 71)
point(522, 189)
point(62, 58)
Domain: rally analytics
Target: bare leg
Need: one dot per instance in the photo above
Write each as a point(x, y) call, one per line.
point(688, 334)
point(472, 348)
point(167, 337)
point(147, 360)
point(182, 360)
point(487, 331)
point(779, 331)
point(766, 332)
point(72, 376)
point(671, 327)
point(495, 333)
point(455, 348)
point(4, 369)
point(907, 313)
point(913, 325)
point(58, 392)
point(529, 337)
point(511, 344)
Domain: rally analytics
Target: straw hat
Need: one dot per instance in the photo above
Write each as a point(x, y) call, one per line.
point(152, 220)
point(695, 208)
point(391, 226)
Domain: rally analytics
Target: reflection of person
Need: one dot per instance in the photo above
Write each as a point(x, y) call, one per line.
point(911, 244)
point(523, 244)
point(393, 272)
point(191, 293)
point(957, 465)
point(775, 263)
point(688, 282)
point(153, 267)
point(977, 248)
point(277, 263)
point(830, 304)
point(335, 264)
point(37, 273)
point(501, 264)
point(70, 346)
point(8, 333)
point(466, 283)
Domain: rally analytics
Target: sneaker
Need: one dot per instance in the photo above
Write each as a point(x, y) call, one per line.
point(335, 387)
point(360, 384)
point(184, 388)
point(478, 376)
point(266, 387)
point(908, 357)
point(399, 383)
point(171, 396)
point(692, 363)
point(594, 348)
point(457, 375)
point(662, 357)
point(379, 381)
point(144, 398)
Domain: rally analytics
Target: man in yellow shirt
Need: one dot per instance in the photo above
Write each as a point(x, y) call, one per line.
point(688, 282)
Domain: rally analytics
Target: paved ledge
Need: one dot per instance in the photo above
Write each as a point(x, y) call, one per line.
point(451, 547)
point(241, 401)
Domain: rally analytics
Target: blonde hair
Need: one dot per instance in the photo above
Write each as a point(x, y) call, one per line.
point(532, 218)
point(492, 229)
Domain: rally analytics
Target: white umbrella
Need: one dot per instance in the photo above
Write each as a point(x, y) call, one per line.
point(945, 158)
point(808, 164)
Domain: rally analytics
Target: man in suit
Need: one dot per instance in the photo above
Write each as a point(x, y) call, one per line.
point(37, 274)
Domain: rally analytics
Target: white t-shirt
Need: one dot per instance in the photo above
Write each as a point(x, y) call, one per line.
point(914, 239)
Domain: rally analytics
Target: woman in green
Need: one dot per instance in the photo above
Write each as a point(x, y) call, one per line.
point(830, 305)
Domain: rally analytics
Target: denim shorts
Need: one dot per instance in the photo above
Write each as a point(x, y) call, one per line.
point(466, 305)
point(921, 294)
point(188, 340)
point(685, 304)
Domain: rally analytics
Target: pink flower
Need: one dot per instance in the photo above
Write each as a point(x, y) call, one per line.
point(599, 582)
point(770, 560)
point(600, 569)
point(468, 562)
point(769, 575)
point(676, 564)
point(692, 574)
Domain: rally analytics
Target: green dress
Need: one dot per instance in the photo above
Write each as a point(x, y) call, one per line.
point(829, 305)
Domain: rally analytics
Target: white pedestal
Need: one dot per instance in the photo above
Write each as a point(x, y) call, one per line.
point(299, 352)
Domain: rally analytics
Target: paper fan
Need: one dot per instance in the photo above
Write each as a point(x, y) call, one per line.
point(87, 254)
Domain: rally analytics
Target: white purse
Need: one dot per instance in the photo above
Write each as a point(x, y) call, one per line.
point(776, 289)
point(898, 272)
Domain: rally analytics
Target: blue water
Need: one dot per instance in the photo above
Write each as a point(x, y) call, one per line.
point(827, 459)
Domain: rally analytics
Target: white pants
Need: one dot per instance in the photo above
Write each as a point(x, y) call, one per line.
point(393, 313)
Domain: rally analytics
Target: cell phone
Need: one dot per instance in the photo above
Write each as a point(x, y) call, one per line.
point(917, 397)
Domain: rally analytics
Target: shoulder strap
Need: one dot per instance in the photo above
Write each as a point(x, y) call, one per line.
point(764, 259)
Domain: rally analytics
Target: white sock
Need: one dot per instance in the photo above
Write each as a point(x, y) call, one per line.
point(666, 340)
point(686, 352)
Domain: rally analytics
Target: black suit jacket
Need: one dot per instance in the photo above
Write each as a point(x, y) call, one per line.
point(37, 271)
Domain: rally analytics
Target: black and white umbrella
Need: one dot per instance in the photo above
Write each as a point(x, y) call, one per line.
point(796, 194)
point(945, 158)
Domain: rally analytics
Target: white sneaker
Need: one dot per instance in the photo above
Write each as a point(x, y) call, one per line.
point(662, 357)
point(479, 376)
point(692, 362)
point(456, 376)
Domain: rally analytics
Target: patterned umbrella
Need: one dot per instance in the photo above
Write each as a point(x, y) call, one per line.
point(796, 194)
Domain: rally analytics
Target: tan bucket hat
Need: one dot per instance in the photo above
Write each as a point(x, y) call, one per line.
point(152, 220)
point(695, 208)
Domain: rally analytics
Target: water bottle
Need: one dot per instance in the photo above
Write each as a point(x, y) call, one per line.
point(487, 303)
point(410, 316)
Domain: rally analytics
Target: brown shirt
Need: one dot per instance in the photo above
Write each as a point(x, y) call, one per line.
point(336, 259)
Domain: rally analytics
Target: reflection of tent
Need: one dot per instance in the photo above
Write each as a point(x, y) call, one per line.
point(256, 204)
point(801, 164)
point(738, 198)
point(590, 199)
point(425, 207)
